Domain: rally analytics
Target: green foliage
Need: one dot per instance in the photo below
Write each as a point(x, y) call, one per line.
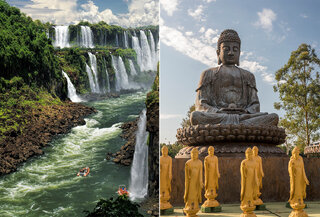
point(25, 50)
point(173, 149)
point(121, 206)
point(126, 53)
point(186, 121)
point(16, 101)
point(153, 95)
point(298, 84)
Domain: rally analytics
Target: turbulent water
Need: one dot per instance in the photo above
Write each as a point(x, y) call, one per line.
point(139, 171)
point(48, 185)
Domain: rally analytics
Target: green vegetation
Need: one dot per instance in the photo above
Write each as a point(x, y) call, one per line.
point(173, 149)
point(25, 50)
point(298, 83)
point(17, 100)
point(186, 121)
point(153, 95)
point(121, 206)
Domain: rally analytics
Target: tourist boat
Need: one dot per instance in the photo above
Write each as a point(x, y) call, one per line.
point(84, 171)
point(123, 190)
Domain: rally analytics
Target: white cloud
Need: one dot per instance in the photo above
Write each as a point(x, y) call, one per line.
point(304, 16)
point(189, 33)
point(62, 12)
point(208, 1)
point(171, 116)
point(197, 14)
point(202, 29)
point(266, 18)
point(169, 6)
point(211, 36)
point(191, 46)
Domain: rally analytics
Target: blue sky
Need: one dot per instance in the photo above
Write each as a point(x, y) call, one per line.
point(189, 29)
point(126, 13)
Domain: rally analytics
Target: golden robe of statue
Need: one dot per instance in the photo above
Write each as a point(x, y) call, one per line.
point(211, 171)
point(257, 159)
point(165, 179)
point(249, 181)
point(298, 182)
point(193, 184)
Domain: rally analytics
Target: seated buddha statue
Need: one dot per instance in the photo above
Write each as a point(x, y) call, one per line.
point(227, 94)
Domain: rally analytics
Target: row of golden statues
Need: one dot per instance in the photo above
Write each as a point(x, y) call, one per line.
point(251, 182)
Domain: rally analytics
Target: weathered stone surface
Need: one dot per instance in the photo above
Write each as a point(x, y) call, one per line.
point(275, 187)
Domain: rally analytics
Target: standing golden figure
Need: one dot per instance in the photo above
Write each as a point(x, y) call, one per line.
point(165, 180)
point(249, 181)
point(211, 173)
point(257, 159)
point(193, 184)
point(298, 182)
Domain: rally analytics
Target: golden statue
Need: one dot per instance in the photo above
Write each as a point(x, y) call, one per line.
point(260, 174)
point(298, 182)
point(165, 179)
point(193, 184)
point(249, 181)
point(211, 172)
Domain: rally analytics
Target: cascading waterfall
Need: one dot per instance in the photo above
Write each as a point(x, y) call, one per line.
point(126, 44)
point(146, 58)
point(138, 185)
point(72, 94)
point(91, 81)
point(122, 81)
point(86, 37)
point(136, 47)
point(153, 52)
point(62, 36)
point(108, 81)
point(132, 69)
point(94, 69)
point(117, 41)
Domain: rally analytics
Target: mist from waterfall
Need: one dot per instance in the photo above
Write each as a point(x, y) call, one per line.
point(61, 36)
point(86, 37)
point(138, 185)
point(72, 93)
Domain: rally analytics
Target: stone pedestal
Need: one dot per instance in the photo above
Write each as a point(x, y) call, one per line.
point(261, 207)
point(211, 209)
point(166, 211)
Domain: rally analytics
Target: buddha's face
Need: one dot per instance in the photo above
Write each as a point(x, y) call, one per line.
point(255, 151)
point(164, 151)
point(229, 53)
point(194, 155)
point(249, 155)
point(211, 151)
point(295, 154)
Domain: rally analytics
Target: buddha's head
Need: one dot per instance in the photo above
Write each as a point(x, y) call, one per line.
point(249, 153)
point(211, 151)
point(295, 153)
point(255, 150)
point(228, 48)
point(164, 151)
point(194, 154)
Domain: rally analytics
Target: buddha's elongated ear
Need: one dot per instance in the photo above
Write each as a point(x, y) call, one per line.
point(238, 62)
point(219, 60)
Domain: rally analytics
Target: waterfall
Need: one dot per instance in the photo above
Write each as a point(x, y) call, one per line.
point(94, 69)
point(91, 81)
point(132, 69)
point(72, 94)
point(153, 52)
point(122, 81)
point(146, 58)
point(62, 36)
point(125, 34)
point(108, 81)
point(136, 47)
point(86, 37)
point(117, 41)
point(138, 186)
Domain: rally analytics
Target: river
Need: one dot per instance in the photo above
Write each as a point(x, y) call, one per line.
point(47, 185)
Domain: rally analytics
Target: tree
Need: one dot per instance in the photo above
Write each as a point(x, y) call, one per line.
point(298, 84)
point(186, 121)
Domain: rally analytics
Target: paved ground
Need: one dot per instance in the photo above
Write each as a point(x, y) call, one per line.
point(273, 209)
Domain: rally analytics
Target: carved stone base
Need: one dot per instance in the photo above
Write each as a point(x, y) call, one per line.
point(226, 133)
point(165, 205)
point(190, 213)
point(211, 209)
point(289, 206)
point(166, 211)
point(210, 203)
point(248, 211)
point(258, 202)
